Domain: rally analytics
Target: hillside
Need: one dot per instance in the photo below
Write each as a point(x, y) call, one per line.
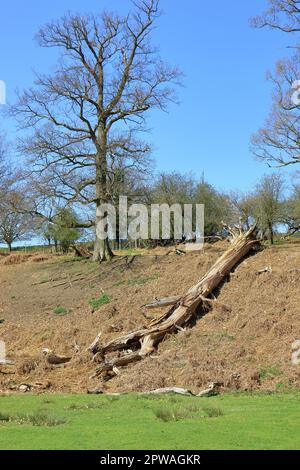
point(244, 341)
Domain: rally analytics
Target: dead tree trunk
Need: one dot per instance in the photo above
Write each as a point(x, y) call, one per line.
point(143, 342)
point(81, 251)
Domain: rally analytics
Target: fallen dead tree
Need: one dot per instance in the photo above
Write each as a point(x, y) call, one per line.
point(212, 390)
point(82, 252)
point(141, 343)
point(55, 359)
point(158, 303)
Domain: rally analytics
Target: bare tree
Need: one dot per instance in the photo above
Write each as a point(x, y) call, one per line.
point(92, 108)
point(278, 142)
point(269, 204)
point(281, 14)
point(217, 208)
point(2, 151)
point(3, 164)
point(173, 188)
point(13, 226)
point(291, 211)
point(244, 205)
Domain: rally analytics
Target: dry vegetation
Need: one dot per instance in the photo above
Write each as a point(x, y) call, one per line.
point(244, 341)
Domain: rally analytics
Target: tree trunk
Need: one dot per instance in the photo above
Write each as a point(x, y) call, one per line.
point(9, 247)
point(271, 234)
point(143, 342)
point(102, 250)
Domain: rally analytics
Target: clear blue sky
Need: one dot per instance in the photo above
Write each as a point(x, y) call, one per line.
point(226, 96)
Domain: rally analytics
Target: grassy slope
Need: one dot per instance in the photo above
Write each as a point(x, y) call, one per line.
point(129, 422)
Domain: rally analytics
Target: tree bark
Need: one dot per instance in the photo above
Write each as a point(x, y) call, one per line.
point(102, 250)
point(271, 234)
point(81, 251)
point(143, 342)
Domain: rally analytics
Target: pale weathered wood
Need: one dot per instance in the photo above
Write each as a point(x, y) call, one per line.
point(55, 359)
point(167, 390)
point(144, 341)
point(213, 389)
point(93, 346)
point(158, 303)
point(6, 362)
point(82, 251)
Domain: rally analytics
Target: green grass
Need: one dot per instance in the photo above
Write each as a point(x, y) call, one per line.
point(75, 259)
point(235, 421)
point(37, 418)
point(193, 410)
point(97, 303)
point(60, 311)
point(269, 371)
point(223, 335)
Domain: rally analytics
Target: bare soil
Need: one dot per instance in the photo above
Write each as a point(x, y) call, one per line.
point(243, 341)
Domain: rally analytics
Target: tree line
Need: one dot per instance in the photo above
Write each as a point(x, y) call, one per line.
point(82, 129)
point(270, 205)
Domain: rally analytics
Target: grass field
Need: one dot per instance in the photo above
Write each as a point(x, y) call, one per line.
point(236, 421)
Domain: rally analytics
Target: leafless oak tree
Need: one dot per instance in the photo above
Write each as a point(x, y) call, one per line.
point(291, 211)
point(13, 226)
point(3, 165)
point(269, 198)
point(90, 111)
point(281, 14)
point(244, 208)
point(278, 142)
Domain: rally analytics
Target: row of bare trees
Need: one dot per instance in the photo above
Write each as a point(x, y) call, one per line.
point(273, 205)
point(14, 225)
point(270, 207)
point(83, 145)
